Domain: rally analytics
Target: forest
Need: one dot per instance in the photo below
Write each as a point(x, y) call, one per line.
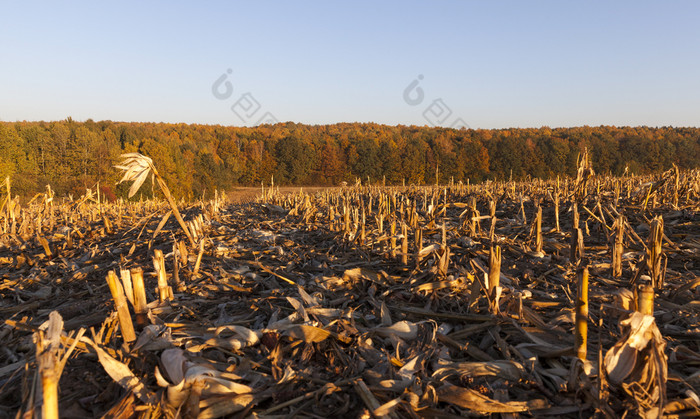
point(199, 159)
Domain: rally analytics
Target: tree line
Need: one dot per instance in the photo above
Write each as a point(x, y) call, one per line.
point(197, 159)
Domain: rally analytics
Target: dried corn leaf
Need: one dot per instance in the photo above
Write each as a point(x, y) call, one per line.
point(299, 307)
point(621, 358)
point(637, 365)
point(226, 406)
point(356, 274)
point(241, 336)
point(508, 370)
point(385, 315)
point(395, 385)
point(404, 329)
point(309, 334)
point(174, 363)
point(433, 286)
point(213, 381)
point(387, 408)
point(154, 337)
point(308, 299)
point(408, 371)
point(473, 400)
point(122, 375)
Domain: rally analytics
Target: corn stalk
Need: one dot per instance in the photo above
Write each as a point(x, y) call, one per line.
point(494, 281)
point(52, 357)
point(645, 303)
point(618, 245)
point(136, 167)
point(655, 251)
point(582, 313)
point(115, 287)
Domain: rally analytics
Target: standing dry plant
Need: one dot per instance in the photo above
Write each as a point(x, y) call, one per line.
point(645, 299)
point(140, 302)
point(582, 313)
point(115, 287)
point(538, 230)
point(583, 174)
point(636, 366)
point(618, 243)
point(136, 167)
point(165, 292)
point(363, 231)
point(179, 285)
point(404, 244)
point(492, 214)
point(52, 358)
point(676, 184)
point(418, 238)
point(494, 281)
point(654, 251)
point(392, 240)
point(556, 207)
point(577, 245)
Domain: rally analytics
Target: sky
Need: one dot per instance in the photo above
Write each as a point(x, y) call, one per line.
point(478, 64)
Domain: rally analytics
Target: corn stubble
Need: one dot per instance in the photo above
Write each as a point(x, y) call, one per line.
point(357, 301)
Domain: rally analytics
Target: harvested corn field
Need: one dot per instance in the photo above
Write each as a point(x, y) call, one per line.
point(568, 298)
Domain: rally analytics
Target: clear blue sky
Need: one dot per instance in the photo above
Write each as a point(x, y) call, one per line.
point(493, 63)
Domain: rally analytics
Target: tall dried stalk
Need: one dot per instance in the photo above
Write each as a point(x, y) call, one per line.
point(582, 313)
point(556, 212)
point(108, 225)
point(125, 276)
point(198, 261)
point(676, 181)
point(492, 214)
point(577, 246)
point(47, 350)
point(165, 292)
point(583, 175)
point(117, 291)
point(52, 358)
point(363, 229)
point(140, 301)
point(404, 244)
point(392, 240)
point(346, 218)
point(418, 237)
point(494, 277)
point(522, 210)
point(556, 199)
point(136, 167)
point(45, 244)
point(646, 299)
point(654, 251)
point(179, 285)
point(618, 246)
point(538, 230)
point(331, 218)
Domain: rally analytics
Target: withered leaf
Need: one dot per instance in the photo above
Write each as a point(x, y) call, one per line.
point(308, 334)
point(473, 400)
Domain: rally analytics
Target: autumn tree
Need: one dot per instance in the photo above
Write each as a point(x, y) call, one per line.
point(331, 163)
point(195, 159)
point(13, 159)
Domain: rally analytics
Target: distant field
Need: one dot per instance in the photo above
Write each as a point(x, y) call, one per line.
point(242, 194)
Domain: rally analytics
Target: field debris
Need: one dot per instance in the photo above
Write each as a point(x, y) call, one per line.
point(365, 301)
